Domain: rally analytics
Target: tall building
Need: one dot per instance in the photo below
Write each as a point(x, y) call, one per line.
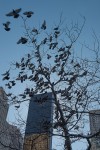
point(10, 136)
point(39, 123)
point(94, 128)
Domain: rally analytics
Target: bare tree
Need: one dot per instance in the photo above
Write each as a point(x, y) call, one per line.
point(52, 66)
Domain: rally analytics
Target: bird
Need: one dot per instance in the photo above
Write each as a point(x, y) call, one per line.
point(8, 85)
point(14, 13)
point(6, 75)
point(17, 65)
point(35, 30)
point(50, 39)
point(48, 56)
point(6, 26)
point(43, 25)
point(9, 94)
point(22, 40)
point(84, 74)
point(56, 28)
point(17, 106)
point(28, 13)
point(12, 82)
point(44, 41)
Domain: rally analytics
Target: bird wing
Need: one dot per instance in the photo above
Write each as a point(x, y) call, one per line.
point(14, 11)
point(10, 14)
point(31, 12)
point(28, 12)
point(17, 10)
point(25, 13)
point(19, 41)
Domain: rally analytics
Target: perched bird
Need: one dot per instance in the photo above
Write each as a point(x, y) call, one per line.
point(9, 94)
point(6, 26)
point(50, 39)
point(69, 46)
point(12, 82)
point(43, 25)
point(23, 96)
point(6, 75)
point(14, 13)
point(8, 85)
point(54, 45)
point(44, 41)
point(48, 56)
point(17, 106)
point(28, 13)
point(35, 30)
point(22, 40)
point(33, 40)
point(56, 28)
point(84, 74)
point(17, 65)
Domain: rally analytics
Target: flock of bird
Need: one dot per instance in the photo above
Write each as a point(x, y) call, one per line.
point(60, 59)
point(15, 14)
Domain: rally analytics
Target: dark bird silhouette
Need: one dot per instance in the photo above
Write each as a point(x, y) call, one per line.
point(17, 106)
point(50, 38)
point(23, 96)
point(6, 75)
point(48, 56)
point(56, 28)
point(8, 85)
point(12, 82)
point(84, 74)
point(35, 30)
point(44, 41)
point(69, 46)
point(43, 25)
point(22, 40)
point(28, 13)
point(9, 94)
point(6, 26)
point(14, 13)
point(17, 65)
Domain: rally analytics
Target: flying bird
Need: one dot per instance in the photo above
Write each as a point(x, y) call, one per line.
point(6, 26)
point(22, 40)
point(6, 75)
point(28, 13)
point(14, 13)
point(6, 78)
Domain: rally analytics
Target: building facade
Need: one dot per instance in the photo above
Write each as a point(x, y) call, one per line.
point(94, 128)
point(38, 133)
point(10, 136)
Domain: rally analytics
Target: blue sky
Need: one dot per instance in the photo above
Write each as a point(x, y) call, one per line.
point(49, 10)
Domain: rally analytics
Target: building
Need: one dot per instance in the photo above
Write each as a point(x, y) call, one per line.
point(94, 128)
point(10, 136)
point(38, 133)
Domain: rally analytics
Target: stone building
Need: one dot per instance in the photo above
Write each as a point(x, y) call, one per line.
point(10, 136)
point(94, 128)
